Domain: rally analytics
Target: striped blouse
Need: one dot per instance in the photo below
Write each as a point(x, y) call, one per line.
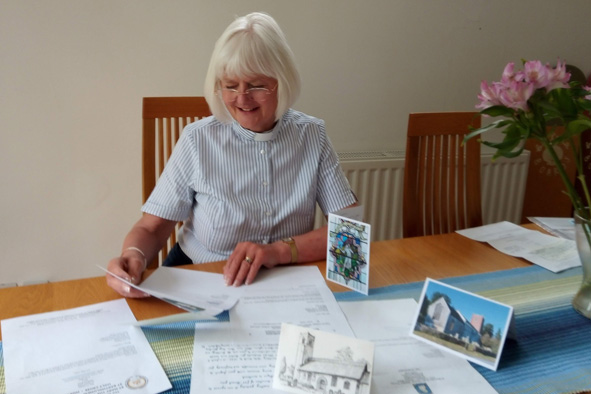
point(229, 184)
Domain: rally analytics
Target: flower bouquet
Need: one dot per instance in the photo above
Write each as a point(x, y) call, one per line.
point(530, 103)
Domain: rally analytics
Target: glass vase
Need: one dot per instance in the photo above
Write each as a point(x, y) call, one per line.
point(582, 300)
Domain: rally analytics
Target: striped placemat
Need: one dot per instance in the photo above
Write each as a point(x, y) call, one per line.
point(552, 353)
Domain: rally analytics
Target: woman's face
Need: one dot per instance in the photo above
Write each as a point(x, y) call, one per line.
point(251, 101)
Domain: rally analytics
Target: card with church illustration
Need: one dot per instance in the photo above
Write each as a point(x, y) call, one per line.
point(463, 323)
point(347, 256)
point(313, 361)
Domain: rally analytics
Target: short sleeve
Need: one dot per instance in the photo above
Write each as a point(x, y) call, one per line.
point(173, 195)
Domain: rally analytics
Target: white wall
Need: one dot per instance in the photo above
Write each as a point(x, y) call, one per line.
point(73, 73)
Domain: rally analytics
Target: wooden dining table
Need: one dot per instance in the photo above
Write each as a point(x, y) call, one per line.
point(391, 262)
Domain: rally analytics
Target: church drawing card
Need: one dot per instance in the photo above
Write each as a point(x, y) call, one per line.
point(312, 361)
point(463, 323)
point(347, 257)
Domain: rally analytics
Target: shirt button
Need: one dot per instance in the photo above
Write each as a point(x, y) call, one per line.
point(265, 183)
point(262, 151)
point(268, 213)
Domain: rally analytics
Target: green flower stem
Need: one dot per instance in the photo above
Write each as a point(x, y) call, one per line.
point(576, 201)
point(581, 211)
point(581, 177)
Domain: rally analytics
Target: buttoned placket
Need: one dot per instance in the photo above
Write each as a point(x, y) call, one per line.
point(265, 190)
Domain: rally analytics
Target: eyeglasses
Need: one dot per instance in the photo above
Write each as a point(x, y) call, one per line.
point(258, 94)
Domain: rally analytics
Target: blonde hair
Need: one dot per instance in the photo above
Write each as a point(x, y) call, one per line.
point(252, 45)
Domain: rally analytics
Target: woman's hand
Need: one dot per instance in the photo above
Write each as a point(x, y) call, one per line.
point(129, 268)
point(247, 259)
point(141, 244)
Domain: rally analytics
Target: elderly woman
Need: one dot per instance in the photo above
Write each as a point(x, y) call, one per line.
point(246, 180)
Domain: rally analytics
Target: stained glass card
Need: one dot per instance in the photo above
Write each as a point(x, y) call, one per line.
point(347, 256)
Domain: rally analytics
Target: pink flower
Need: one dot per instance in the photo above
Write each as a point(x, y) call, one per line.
point(508, 73)
point(535, 73)
point(516, 95)
point(489, 95)
point(516, 87)
point(558, 77)
point(587, 88)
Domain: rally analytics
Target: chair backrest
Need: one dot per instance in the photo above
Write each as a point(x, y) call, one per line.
point(441, 174)
point(163, 121)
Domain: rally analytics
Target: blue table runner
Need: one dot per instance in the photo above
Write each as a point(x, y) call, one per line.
point(552, 353)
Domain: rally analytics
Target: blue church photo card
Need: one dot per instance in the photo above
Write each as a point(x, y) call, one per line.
point(347, 255)
point(313, 361)
point(463, 323)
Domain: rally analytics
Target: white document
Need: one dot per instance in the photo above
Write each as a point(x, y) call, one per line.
point(491, 232)
point(240, 356)
point(402, 364)
point(553, 253)
point(92, 349)
point(561, 227)
point(193, 291)
point(204, 289)
point(177, 318)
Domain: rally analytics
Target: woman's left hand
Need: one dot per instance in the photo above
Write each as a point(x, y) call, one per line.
point(246, 260)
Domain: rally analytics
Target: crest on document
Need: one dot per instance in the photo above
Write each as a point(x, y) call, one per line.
point(136, 382)
point(347, 260)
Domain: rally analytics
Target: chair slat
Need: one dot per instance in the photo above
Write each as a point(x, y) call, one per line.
point(442, 175)
point(452, 194)
point(442, 196)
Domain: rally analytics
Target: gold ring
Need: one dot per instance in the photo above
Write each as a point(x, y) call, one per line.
point(248, 259)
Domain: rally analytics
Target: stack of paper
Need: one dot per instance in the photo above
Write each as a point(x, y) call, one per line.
point(561, 227)
point(553, 253)
point(193, 291)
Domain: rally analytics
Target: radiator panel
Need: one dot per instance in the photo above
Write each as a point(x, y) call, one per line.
point(377, 178)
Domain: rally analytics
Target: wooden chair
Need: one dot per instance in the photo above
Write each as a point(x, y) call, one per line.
point(441, 175)
point(163, 121)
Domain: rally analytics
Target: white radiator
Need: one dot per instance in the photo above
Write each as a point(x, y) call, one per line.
point(377, 178)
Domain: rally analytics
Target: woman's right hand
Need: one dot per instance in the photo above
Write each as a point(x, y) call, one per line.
point(141, 244)
point(130, 268)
